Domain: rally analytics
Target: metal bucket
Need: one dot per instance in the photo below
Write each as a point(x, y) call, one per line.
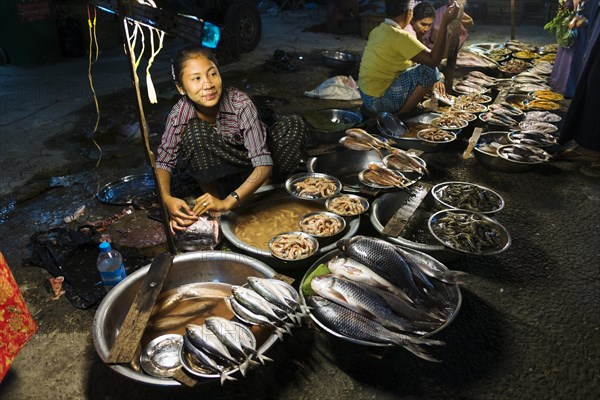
point(194, 267)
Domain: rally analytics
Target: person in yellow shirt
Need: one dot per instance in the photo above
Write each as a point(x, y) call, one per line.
point(388, 80)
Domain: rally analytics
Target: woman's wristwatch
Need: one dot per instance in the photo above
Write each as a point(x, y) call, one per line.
point(235, 196)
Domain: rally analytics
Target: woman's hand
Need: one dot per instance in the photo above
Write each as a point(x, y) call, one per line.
point(209, 203)
point(439, 88)
point(181, 214)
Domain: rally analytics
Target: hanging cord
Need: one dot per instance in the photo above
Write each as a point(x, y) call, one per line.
point(93, 49)
point(149, 84)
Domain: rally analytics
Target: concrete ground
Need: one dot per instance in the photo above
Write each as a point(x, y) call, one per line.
point(529, 324)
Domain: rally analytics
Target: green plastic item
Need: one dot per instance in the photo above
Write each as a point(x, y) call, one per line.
point(322, 269)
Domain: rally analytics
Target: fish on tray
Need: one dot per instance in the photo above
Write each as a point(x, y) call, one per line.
point(356, 326)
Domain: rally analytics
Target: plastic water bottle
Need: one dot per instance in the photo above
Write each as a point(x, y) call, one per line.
point(111, 267)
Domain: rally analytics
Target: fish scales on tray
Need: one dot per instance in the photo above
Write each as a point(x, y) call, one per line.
point(356, 326)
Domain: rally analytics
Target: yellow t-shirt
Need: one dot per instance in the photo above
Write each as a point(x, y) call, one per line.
point(386, 55)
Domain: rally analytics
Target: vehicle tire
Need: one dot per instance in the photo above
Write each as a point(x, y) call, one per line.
point(243, 20)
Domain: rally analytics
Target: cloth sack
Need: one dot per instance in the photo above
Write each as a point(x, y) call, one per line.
point(16, 324)
point(337, 88)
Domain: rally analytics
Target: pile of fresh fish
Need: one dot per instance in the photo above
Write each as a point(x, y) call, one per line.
point(404, 161)
point(468, 232)
point(467, 196)
point(378, 175)
point(528, 87)
point(523, 153)
point(538, 126)
point(469, 86)
point(542, 67)
point(220, 346)
point(481, 79)
point(473, 98)
point(532, 138)
point(380, 293)
point(498, 118)
point(542, 116)
point(472, 60)
point(506, 109)
point(267, 302)
point(361, 140)
point(529, 77)
point(517, 45)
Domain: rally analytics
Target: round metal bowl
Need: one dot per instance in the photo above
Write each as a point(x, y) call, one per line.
point(505, 239)
point(276, 196)
point(295, 179)
point(532, 151)
point(342, 60)
point(364, 203)
point(201, 266)
point(490, 159)
point(314, 243)
point(452, 290)
point(345, 164)
point(333, 216)
point(494, 198)
point(415, 235)
point(390, 125)
point(330, 124)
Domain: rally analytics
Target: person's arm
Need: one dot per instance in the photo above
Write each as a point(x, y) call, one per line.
point(435, 56)
point(208, 202)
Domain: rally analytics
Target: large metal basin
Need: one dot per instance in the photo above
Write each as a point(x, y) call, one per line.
point(274, 195)
point(344, 165)
point(416, 234)
point(200, 266)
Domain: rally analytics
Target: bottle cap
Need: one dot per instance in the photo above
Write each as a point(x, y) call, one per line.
point(104, 246)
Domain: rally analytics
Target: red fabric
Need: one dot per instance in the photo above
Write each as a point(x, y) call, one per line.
point(16, 324)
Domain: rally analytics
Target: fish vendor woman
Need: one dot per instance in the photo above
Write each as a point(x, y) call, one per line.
point(214, 133)
point(388, 79)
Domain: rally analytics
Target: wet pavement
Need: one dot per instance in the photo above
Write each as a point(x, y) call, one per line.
point(529, 323)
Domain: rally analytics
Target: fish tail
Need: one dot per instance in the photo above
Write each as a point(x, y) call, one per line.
point(419, 352)
point(262, 358)
point(455, 277)
point(226, 376)
point(244, 367)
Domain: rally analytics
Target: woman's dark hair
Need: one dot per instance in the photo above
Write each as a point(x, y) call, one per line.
point(394, 8)
point(187, 53)
point(423, 10)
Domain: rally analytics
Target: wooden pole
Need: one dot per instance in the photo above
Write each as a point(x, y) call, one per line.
point(454, 40)
point(512, 19)
point(144, 130)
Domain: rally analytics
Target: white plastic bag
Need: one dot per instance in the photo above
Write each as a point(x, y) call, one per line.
point(337, 88)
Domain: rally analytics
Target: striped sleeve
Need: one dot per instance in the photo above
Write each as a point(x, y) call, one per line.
point(253, 131)
point(168, 150)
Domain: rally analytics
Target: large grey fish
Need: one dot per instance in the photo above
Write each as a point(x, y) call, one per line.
point(383, 258)
point(353, 325)
point(355, 297)
point(357, 272)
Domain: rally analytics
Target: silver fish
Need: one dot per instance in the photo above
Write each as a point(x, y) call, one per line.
point(237, 339)
point(276, 292)
point(353, 325)
point(204, 339)
point(383, 258)
point(256, 303)
point(205, 362)
point(252, 318)
point(355, 271)
point(355, 297)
